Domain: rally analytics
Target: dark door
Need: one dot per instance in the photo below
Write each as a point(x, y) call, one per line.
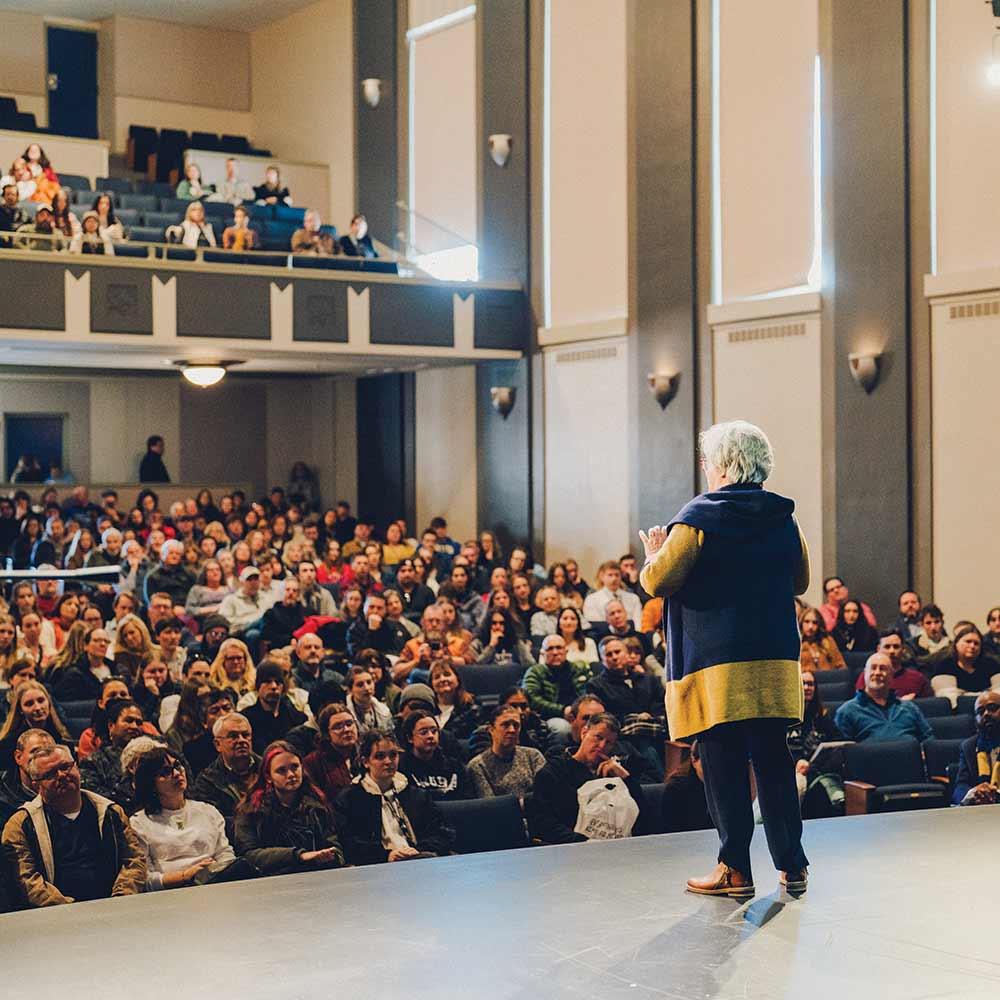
point(39, 436)
point(72, 82)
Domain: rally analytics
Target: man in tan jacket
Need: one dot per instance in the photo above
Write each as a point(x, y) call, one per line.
point(66, 845)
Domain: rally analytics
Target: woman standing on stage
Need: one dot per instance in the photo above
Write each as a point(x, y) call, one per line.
point(729, 565)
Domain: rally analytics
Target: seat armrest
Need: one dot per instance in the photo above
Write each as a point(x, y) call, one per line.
point(856, 795)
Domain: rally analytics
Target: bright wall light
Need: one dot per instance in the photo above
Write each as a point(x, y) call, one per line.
point(993, 73)
point(204, 376)
point(456, 264)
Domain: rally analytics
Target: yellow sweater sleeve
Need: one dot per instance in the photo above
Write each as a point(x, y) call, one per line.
point(802, 575)
point(666, 572)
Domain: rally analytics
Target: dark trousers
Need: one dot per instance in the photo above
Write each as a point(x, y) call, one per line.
point(725, 751)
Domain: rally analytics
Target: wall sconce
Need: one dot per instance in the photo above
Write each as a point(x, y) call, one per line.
point(372, 91)
point(500, 144)
point(503, 397)
point(663, 386)
point(865, 369)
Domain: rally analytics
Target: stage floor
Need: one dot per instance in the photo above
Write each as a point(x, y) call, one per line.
point(899, 906)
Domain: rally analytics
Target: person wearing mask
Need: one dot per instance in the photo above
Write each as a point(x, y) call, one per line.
point(427, 766)
point(70, 845)
point(505, 767)
point(383, 817)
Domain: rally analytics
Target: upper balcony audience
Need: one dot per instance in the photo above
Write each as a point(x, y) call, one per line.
point(357, 242)
point(272, 191)
point(191, 188)
point(239, 236)
point(310, 239)
point(194, 231)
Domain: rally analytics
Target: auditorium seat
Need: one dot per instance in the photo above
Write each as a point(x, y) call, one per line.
point(141, 145)
point(379, 266)
point(218, 210)
point(205, 140)
point(889, 777)
point(176, 205)
point(119, 185)
point(234, 144)
point(834, 676)
point(125, 249)
point(290, 214)
point(160, 220)
point(933, 707)
point(855, 661)
point(481, 825)
point(25, 122)
point(327, 263)
point(143, 202)
point(654, 819)
point(939, 755)
point(838, 691)
point(953, 727)
point(179, 253)
point(75, 181)
point(83, 198)
point(128, 217)
point(146, 234)
point(76, 715)
point(966, 704)
point(170, 148)
point(161, 190)
point(487, 681)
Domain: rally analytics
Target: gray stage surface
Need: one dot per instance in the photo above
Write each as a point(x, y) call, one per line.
point(899, 906)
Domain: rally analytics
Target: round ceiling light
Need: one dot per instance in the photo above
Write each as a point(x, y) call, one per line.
point(204, 375)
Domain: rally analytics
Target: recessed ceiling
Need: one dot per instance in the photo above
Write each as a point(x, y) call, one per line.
point(232, 15)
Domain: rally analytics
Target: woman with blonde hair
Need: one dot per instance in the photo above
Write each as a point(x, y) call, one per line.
point(194, 231)
point(133, 647)
point(31, 708)
point(71, 651)
point(232, 667)
point(10, 649)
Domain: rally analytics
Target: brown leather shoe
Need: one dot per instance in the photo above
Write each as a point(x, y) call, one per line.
point(724, 881)
point(795, 881)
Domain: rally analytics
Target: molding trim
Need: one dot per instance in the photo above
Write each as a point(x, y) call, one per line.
point(597, 330)
point(960, 283)
point(765, 308)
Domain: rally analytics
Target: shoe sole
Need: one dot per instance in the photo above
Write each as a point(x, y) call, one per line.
point(744, 893)
point(795, 886)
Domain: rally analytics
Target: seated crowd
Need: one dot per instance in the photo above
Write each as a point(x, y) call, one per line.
point(261, 687)
point(40, 213)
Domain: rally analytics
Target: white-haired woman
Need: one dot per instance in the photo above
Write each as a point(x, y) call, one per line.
point(729, 566)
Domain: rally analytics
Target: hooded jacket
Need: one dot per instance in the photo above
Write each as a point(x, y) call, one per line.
point(359, 820)
point(27, 837)
point(444, 777)
point(729, 571)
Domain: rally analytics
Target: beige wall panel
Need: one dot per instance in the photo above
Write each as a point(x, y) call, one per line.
point(22, 54)
point(767, 58)
point(312, 122)
point(446, 448)
point(768, 372)
point(586, 453)
point(169, 114)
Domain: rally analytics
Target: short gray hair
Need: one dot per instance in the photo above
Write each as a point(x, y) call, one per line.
point(219, 727)
point(41, 753)
point(135, 748)
point(168, 545)
point(739, 450)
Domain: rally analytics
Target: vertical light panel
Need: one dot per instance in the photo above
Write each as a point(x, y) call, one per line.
point(769, 373)
point(766, 66)
point(586, 157)
point(587, 453)
point(443, 175)
point(966, 140)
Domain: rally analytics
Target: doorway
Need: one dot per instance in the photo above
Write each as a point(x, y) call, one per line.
point(38, 435)
point(72, 82)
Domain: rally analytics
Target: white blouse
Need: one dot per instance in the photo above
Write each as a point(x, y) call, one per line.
point(176, 838)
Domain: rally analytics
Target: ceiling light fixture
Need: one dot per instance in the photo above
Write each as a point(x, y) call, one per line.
point(204, 374)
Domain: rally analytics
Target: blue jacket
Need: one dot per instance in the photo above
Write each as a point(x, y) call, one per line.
point(863, 719)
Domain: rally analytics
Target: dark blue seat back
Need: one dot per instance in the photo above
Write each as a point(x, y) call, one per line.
point(486, 681)
point(481, 825)
point(933, 707)
point(892, 762)
point(939, 754)
point(953, 727)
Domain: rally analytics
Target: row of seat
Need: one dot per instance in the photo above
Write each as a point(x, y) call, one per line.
point(159, 153)
point(11, 117)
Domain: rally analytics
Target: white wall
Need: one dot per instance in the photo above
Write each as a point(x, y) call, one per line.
point(446, 448)
point(444, 168)
point(968, 141)
point(586, 453)
point(311, 120)
point(767, 58)
point(587, 205)
point(966, 413)
point(123, 413)
point(769, 372)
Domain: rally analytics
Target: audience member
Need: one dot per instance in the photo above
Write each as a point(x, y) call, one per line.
point(972, 669)
point(609, 575)
point(70, 845)
point(273, 714)
point(12, 216)
point(554, 684)
point(580, 648)
point(382, 816)
point(65, 220)
point(284, 823)
point(233, 189)
point(315, 599)
point(978, 779)
point(40, 234)
point(184, 839)
point(836, 592)
point(357, 242)
point(16, 788)
point(905, 681)
point(335, 762)
point(876, 713)
point(455, 710)
point(373, 630)
point(191, 187)
point(908, 622)
point(272, 191)
point(311, 239)
point(505, 767)
point(103, 772)
point(152, 469)
point(231, 775)
point(239, 236)
point(30, 708)
point(193, 231)
point(558, 811)
point(500, 643)
point(233, 667)
point(932, 641)
point(427, 766)
point(367, 710)
point(852, 631)
point(818, 650)
point(89, 239)
point(108, 224)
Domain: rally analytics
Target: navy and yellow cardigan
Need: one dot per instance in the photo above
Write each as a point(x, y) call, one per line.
point(733, 561)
